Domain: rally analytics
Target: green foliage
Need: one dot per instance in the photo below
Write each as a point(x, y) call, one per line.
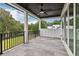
point(8, 23)
point(35, 27)
point(56, 22)
point(77, 22)
point(44, 24)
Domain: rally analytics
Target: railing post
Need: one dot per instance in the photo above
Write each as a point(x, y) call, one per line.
point(0, 44)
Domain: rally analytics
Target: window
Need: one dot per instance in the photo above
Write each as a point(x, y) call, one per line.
point(71, 27)
point(77, 29)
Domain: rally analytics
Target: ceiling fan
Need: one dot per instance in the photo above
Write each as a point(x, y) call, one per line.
point(45, 12)
point(42, 11)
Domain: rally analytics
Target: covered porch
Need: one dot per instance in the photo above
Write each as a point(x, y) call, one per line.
point(47, 42)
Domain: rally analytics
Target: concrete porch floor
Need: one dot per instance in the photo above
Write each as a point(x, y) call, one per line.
point(41, 46)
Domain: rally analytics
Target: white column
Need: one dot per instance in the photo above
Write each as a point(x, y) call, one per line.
point(68, 27)
point(39, 24)
point(26, 28)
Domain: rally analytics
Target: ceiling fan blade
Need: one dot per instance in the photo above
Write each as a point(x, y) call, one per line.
point(38, 13)
point(45, 13)
point(41, 9)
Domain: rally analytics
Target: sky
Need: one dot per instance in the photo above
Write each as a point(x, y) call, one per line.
point(19, 16)
point(32, 20)
point(53, 19)
point(16, 14)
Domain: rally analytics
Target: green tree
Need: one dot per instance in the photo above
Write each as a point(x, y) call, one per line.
point(44, 24)
point(56, 22)
point(8, 23)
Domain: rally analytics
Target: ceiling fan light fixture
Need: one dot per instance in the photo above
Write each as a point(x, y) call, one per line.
point(41, 12)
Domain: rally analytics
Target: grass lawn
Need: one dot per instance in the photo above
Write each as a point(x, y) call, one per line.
point(9, 43)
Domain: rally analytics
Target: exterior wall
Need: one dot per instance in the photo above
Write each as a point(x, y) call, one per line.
point(70, 31)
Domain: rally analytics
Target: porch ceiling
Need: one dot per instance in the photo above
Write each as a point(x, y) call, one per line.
point(51, 9)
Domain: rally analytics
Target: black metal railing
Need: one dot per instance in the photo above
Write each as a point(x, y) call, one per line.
point(9, 40)
point(33, 34)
